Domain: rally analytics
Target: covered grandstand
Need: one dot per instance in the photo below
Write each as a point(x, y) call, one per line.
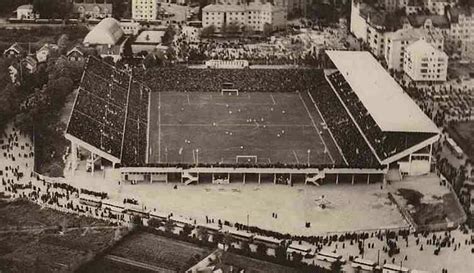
point(345, 125)
point(394, 127)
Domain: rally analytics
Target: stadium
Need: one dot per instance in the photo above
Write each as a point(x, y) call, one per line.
point(348, 123)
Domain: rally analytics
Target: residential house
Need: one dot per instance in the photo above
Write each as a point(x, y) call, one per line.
point(14, 51)
point(45, 51)
point(95, 9)
point(76, 54)
point(26, 12)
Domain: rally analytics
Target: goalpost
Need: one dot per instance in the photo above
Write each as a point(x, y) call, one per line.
point(248, 159)
point(229, 91)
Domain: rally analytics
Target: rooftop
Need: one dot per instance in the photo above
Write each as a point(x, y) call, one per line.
point(391, 108)
point(422, 47)
point(25, 7)
point(456, 11)
point(416, 33)
point(437, 20)
point(235, 7)
point(150, 37)
point(108, 32)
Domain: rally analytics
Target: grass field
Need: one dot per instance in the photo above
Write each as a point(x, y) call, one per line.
point(463, 134)
point(160, 251)
point(29, 241)
point(275, 127)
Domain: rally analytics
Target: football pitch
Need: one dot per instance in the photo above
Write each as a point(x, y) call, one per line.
point(210, 127)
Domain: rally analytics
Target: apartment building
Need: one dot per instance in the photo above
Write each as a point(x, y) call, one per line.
point(461, 32)
point(367, 24)
point(397, 42)
point(145, 10)
point(425, 63)
point(252, 16)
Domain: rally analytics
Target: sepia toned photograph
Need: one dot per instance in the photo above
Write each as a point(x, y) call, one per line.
point(237, 136)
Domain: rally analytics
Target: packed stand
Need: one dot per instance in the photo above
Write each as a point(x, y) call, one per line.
point(135, 139)
point(181, 78)
point(385, 144)
point(353, 146)
point(274, 53)
point(110, 112)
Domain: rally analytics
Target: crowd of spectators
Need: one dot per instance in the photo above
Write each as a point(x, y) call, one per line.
point(265, 53)
point(444, 103)
point(181, 78)
point(111, 112)
point(135, 138)
point(18, 154)
point(354, 148)
point(385, 144)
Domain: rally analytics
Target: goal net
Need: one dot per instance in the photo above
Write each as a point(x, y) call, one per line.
point(246, 159)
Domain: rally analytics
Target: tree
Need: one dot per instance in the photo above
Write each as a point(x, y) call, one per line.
point(280, 253)
point(267, 29)
point(227, 240)
point(297, 257)
point(168, 37)
point(187, 229)
point(202, 234)
point(59, 88)
point(154, 223)
point(336, 266)
point(262, 249)
point(7, 6)
point(232, 28)
point(208, 31)
point(137, 220)
point(57, 9)
point(244, 245)
point(122, 9)
point(169, 226)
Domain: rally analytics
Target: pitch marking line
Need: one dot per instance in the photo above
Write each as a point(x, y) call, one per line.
point(159, 127)
point(273, 99)
point(330, 133)
point(316, 128)
point(297, 160)
point(189, 101)
point(235, 125)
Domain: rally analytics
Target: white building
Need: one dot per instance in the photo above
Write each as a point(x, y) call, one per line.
point(25, 12)
point(253, 16)
point(107, 32)
point(148, 41)
point(130, 27)
point(415, 6)
point(367, 24)
point(396, 43)
point(296, 7)
point(424, 63)
point(461, 33)
point(144, 10)
point(107, 38)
